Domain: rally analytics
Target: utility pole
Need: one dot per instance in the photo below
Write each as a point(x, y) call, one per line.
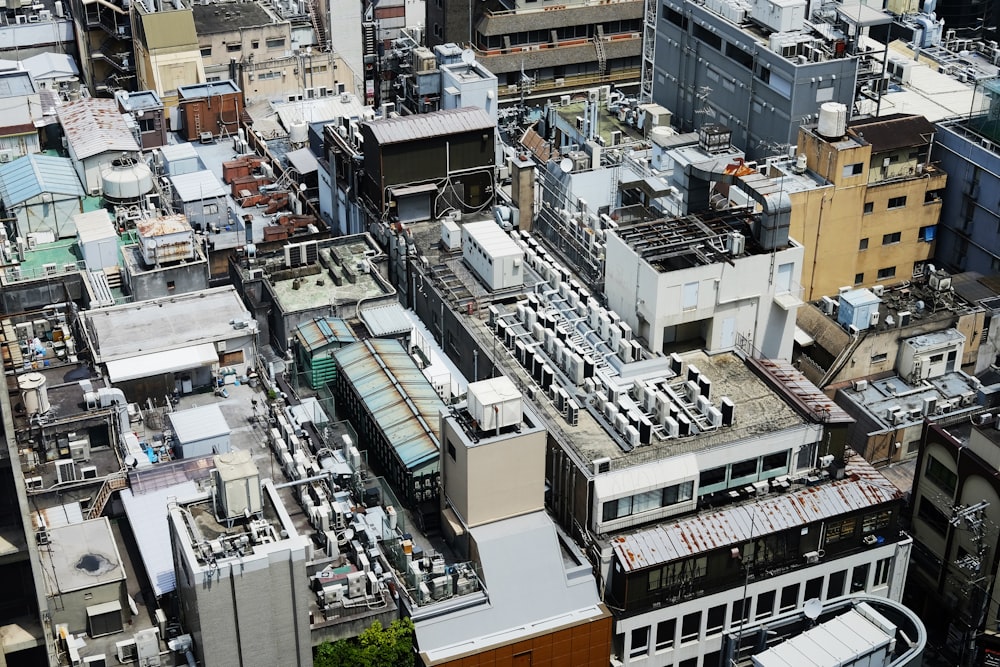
point(977, 584)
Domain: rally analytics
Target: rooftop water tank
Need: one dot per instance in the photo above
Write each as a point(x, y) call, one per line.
point(832, 120)
point(298, 133)
point(126, 181)
point(33, 393)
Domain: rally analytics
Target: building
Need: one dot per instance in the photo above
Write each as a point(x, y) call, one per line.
point(879, 222)
point(41, 195)
point(836, 345)
point(104, 43)
point(968, 148)
point(96, 135)
point(167, 55)
point(242, 540)
point(177, 343)
point(53, 71)
point(148, 117)
point(213, 108)
point(761, 70)
point(316, 343)
point(167, 259)
point(889, 412)
point(37, 28)
point(201, 199)
point(955, 499)
point(572, 46)
point(18, 133)
point(394, 409)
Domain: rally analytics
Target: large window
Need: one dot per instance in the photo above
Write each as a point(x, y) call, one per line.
point(665, 634)
point(647, 501)
point(932, 516)
point(887, 272)
point(691, 626)
point(773, 462)
point(640, 642)
point(744, 469)
point(943, 478)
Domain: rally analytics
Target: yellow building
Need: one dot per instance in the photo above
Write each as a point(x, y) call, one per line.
point(166, 52)
point(875, 221)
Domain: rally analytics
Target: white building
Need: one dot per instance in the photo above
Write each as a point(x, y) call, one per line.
point(96, 134)
point(704, 282)
point(491, 253)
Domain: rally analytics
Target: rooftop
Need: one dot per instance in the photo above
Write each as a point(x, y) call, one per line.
point(32, 175)
point(209, 89)
point(429, 125)
point(197, 186)
point(223, 17)
point(893, 132)
point(81, 555)
point(95, 125)
point(319, 332)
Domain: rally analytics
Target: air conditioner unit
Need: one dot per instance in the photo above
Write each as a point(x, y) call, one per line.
point(126, 650)
point(601, 465)
point(874, 318)
point(878, 290)
point(33, 483)
point(811, 557)
point(88, 472)
point(66, 471)
point(7, 155)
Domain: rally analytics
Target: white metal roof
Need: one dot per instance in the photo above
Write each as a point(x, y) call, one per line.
point(94, 226)
point(147, 514)
point(842, 640)
point(427, 125)
point(197, 185)
point(494, 241)
point(206, 421)
point(302, 160)
point(51, 65)
point(158, 363)
point(331, 108)
point(517, 555)
point(386, 320)
point(178, 151)
point(93, 126)
point(862, 487)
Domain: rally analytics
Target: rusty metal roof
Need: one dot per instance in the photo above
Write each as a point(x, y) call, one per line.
point(893, 132)
point(863, 487)
point(317, 333)
point(160, 226)
point(428, 125)
point(93, 126)
point(801, 392)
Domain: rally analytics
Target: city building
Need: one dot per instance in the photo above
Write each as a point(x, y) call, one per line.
point(208, 110)
point(878, 223)
point(96, 135)
point(762, 69)
point(166, 51)
point(562, 48)
point(40, 194)
point(148, 117)
point(104, 44)
point(968, 148)
point(18, 134)
point(955, 500)
point(316, 342)
point(36, 28)
point(166, 260)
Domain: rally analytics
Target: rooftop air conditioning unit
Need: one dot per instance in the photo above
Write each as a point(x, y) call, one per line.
point(811, 557)
point(601, 465)
point(860, 385)
point(127, 651)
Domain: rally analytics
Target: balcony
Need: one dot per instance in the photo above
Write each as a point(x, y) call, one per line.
point(555, 54)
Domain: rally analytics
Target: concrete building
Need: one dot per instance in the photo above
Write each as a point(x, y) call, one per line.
point(167, 260)
point(878, 223)
point(255, 609)
point(40, 195)
point(104, 43)
point(96, 135)
point(213, 108)
point(38, 28)
point(890, 411)
point(154, 348)
point(761, 70)
point(572, 46)
point(148, 117)
point(835, 345)
point(968, 149)
point(166, 52)
point(955, 501)
point(202, 199)
point(18, 132)
point(683, 282)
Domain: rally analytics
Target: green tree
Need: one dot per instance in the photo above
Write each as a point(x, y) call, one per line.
point(375, 647)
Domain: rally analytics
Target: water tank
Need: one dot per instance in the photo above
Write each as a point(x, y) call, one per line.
point(127, 181)
point(33, 393)
point(298, 133)
point(237, 485)
point(832, 120)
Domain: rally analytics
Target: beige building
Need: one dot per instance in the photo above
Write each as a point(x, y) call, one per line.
point(248, 43)
point(166, 52)
point(875, 223)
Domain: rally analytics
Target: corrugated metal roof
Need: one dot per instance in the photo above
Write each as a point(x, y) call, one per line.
point(27, 177)
point(16, 83)
point(93, 126)
point(197, 185)
point(399, 397)
point(427, 125)
point(863, 487)
point(194, 424)
point(51, 65)
point(319, 332)
point(386, 320)
point(893, 132)
point(302, 160)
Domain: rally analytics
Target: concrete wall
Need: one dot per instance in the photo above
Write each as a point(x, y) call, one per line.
point(155, 283)
point(73, 610)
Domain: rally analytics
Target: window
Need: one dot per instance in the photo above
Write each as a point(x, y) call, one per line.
point(171, 285)
point(678, 493)
point(206, 52)
point(889, 239)
point(665, 634)
point(744, 469)
point(709, 38)
point(887, 272)
point(882, 569)
point(859, 580)
point(232, 47)
point(840, 530)
point(741, 612)
point(942, 477)
point(783, 283)
point(716, 619)
point(675, 17)
point(932, 516)
point(210, 209)
point(789, 597)
point(814, 588)
point(712, 477)
point(690, 296)
point(897, 202)
point(765, 604)
point(913, 446)
point(640, 642)
point(275, 43)
point(774, 462)
point(691, 626)
point(451, 451)
point(147, 125)
point(853, 169)
point(255, 44)
point(863, 244)
point(869, 207)
point(859, 278)
point(835, 586)
point(927, 233)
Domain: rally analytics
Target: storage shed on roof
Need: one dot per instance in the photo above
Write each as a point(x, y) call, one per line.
point(318, 339)
point(43, 193)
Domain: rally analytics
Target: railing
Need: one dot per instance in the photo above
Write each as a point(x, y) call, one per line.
point(555, 8)
point(113, 482)
point(566, 43)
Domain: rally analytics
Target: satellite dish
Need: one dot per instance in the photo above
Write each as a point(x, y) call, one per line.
point(812, 609)
point(468, 56)
point(566, 165)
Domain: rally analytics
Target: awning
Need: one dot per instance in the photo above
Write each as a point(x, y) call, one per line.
point(803, 339)
point(104, 608)
point(411, 190)
point(158, 363)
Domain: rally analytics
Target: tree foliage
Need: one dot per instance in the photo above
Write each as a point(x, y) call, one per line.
point(375, 647)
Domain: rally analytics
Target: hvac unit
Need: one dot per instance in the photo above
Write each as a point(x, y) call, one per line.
point(874, 318)
point(66, 471)
point(126, 651)
point(828, 305)
point(811, 557)
point(88, 472)
point(878, 290)
point(7, 155)
point(80, 450)
point(33, 483)
point(95, 660)
point(300, 254)
point(859, 385)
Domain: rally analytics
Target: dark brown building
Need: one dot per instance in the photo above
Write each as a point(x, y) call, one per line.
point(212, 108)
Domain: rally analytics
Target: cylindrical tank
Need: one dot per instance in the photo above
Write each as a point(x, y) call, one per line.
point(33, 393)
point(832, 120)
point(298, 133)
point(127, 181)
